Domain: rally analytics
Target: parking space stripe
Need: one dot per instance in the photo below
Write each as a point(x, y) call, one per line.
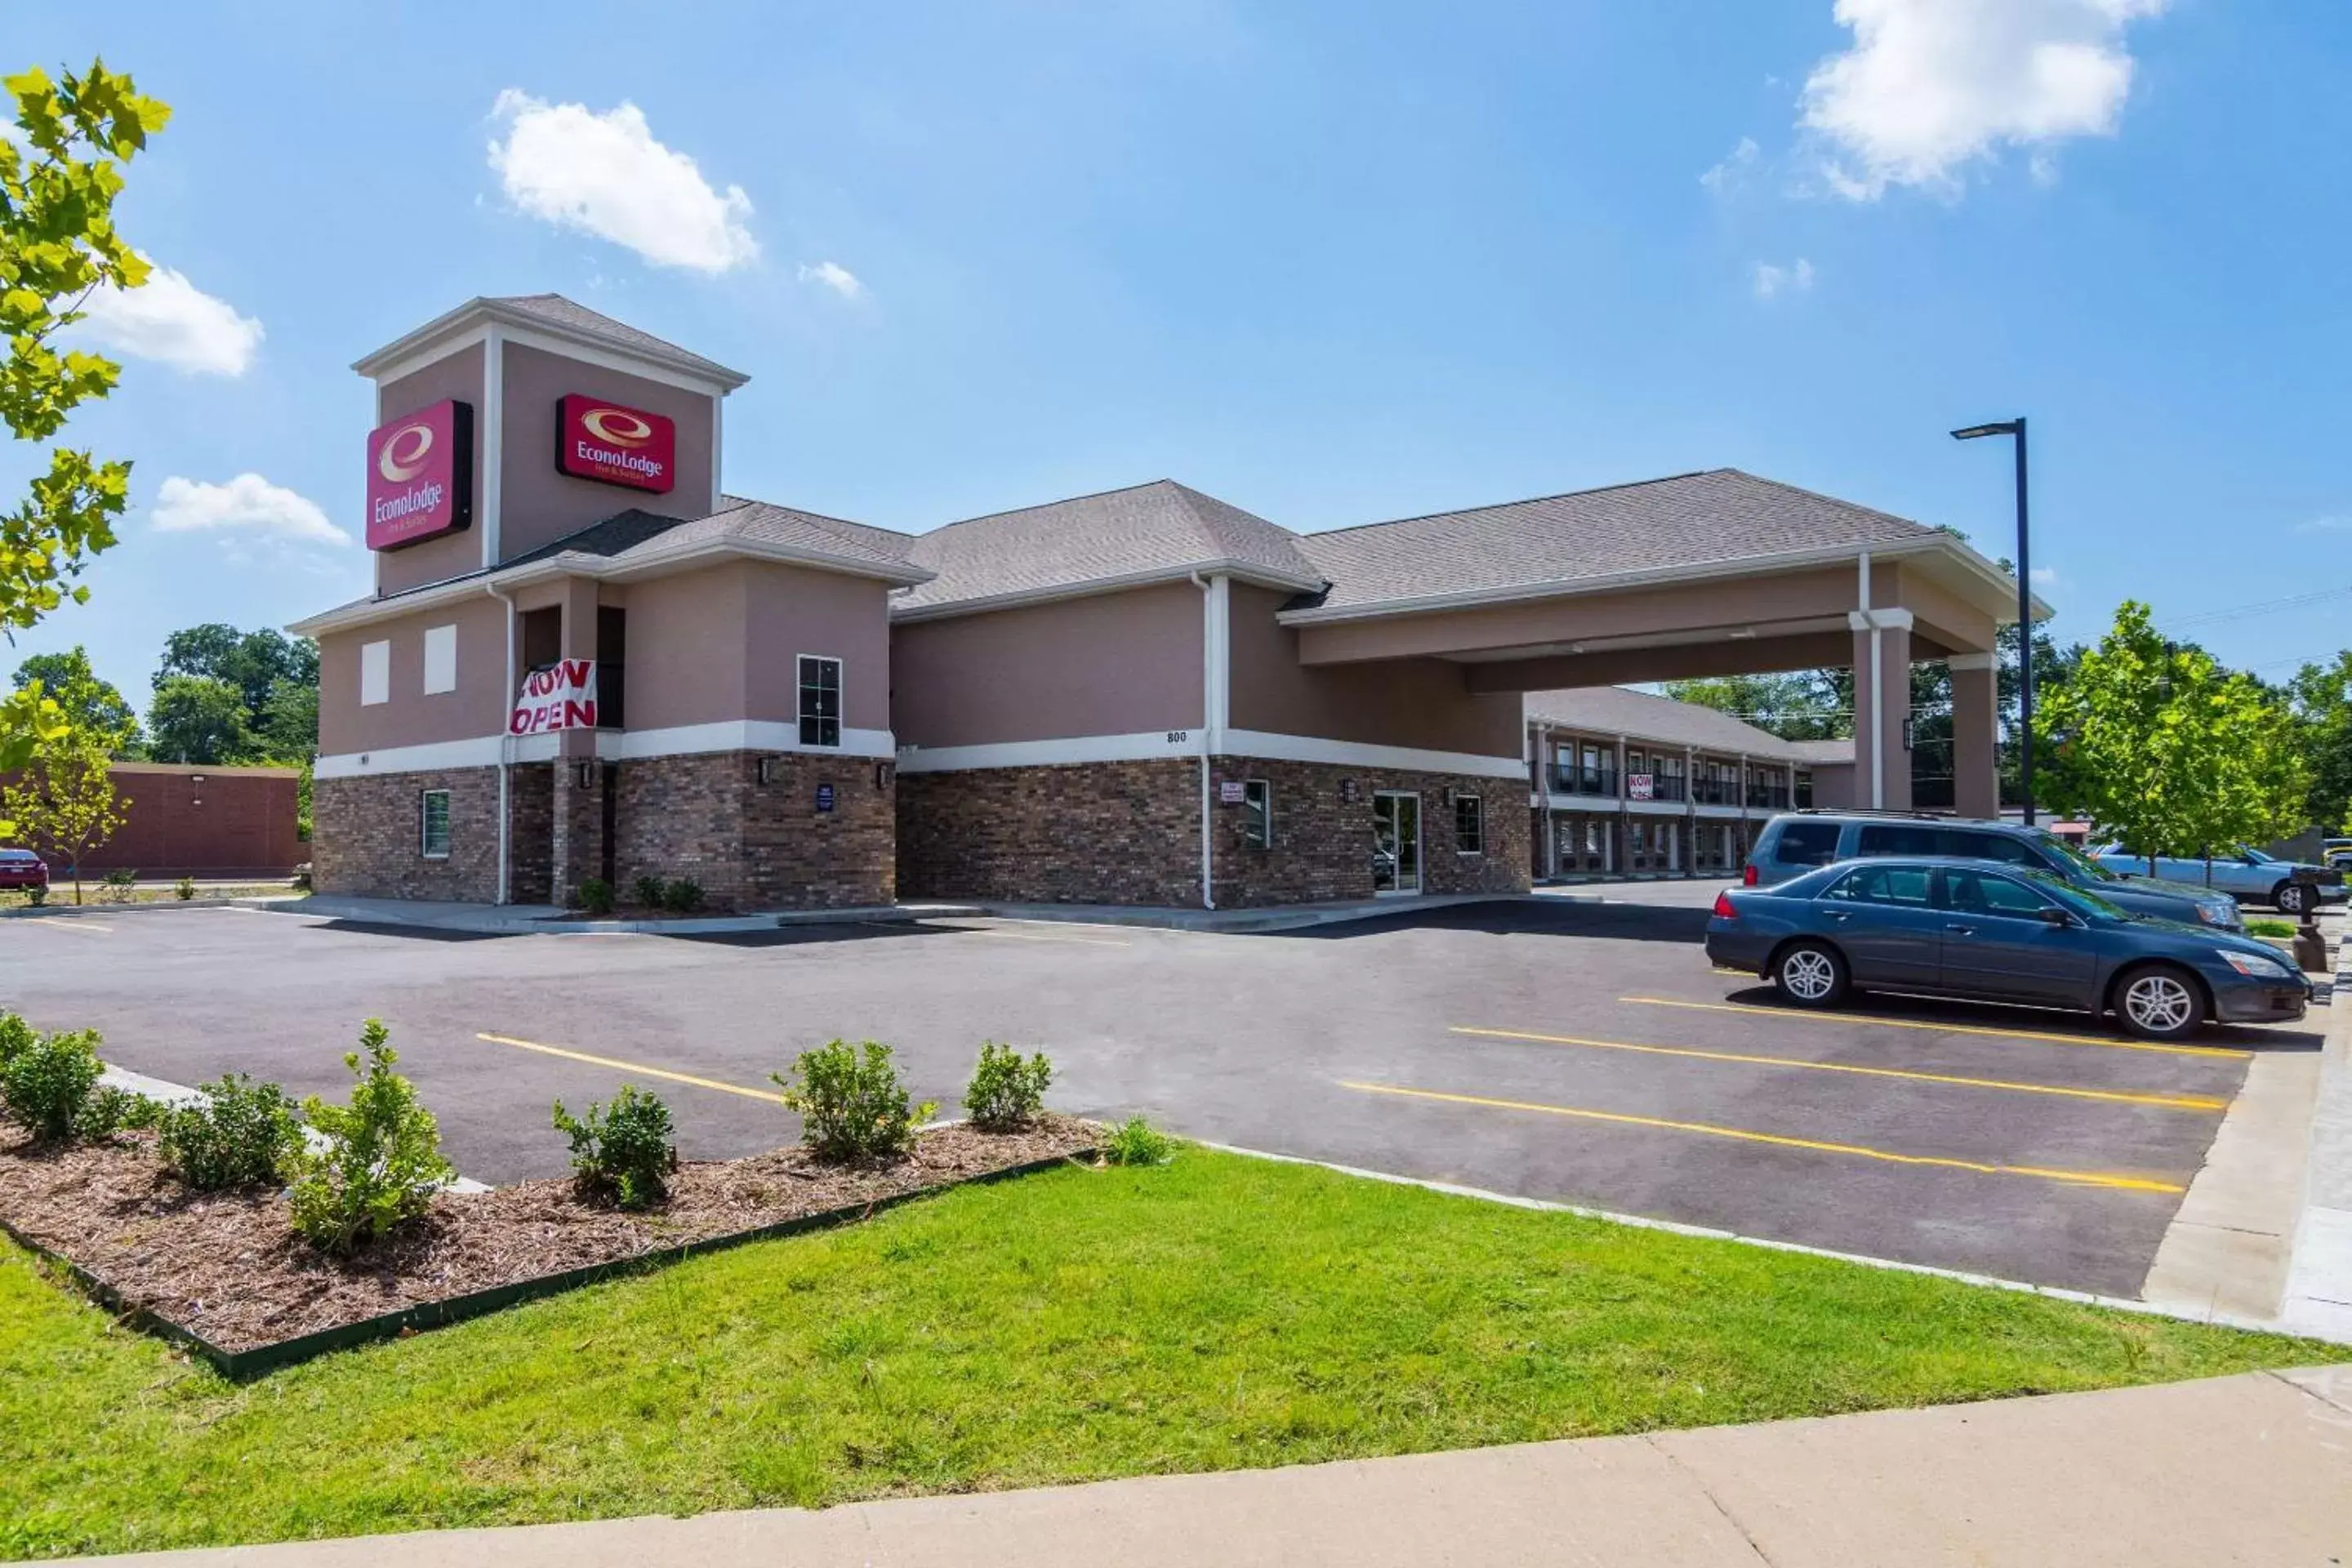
point(2205, 1103)
point(2211, 1052)
point(1813, 1145)
point(633, 1067)
point(68, 922)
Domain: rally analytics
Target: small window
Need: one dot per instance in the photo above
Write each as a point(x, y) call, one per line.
point(440, 659)
point(1807, 842)
point(433, 824)
point(375, 673)
point(1469, 824)
point(819, 702)
point(1904, 886)
point(1257, 814)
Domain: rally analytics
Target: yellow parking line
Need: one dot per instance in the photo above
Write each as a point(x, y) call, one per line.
point(2071, 1178)
point(1792, 1016)
point(2169, 1101)
point(68, 923)
point(633, 1067)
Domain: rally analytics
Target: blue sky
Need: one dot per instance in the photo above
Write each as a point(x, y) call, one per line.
point(1333, 263)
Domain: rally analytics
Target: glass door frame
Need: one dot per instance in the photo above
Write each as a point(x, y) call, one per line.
point(1399, 888)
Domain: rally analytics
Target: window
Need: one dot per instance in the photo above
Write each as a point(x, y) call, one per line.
point(440, 659)
point(1807, 842)
point(1990, 847)
point(819, 702)
point(1469, 824)
point(1257, 814)
point(433, 824)
point(1880, 838)
point(1904, 886)
point(375, 673)
point(1972, 892)
point(611, 667)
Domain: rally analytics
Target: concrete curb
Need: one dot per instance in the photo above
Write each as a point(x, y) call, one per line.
point(102, 912)
point(2318, 1300)
point(1243, 922)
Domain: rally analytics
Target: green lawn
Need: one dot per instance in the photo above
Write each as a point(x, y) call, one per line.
point(1217, 1312)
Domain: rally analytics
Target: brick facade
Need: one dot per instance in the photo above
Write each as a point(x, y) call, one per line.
point(365, 840)
point(755, 846)
point(1093, 832)
point(1322, 839)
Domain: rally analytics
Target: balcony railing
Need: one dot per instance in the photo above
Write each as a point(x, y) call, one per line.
point(1568, 779)
point(1715, 792)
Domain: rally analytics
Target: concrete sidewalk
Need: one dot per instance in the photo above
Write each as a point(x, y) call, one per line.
point(2254, 1469)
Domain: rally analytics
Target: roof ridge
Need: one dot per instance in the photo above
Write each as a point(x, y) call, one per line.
point(1045, 505)
point(1528, 501)
point(742, 501)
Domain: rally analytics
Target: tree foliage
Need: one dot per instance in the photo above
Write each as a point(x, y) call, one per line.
point(2157, 742)
point(224, 696)
point(83, 698)
point(2321, 698)
point(60, 171)
point(197, 718)
point(64, 802)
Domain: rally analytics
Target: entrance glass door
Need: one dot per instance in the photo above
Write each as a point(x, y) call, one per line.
point(1396, 842)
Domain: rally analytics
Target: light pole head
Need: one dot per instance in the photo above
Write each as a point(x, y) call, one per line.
point(1998, 427)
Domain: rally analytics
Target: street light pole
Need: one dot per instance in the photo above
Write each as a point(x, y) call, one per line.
point(2016, 428)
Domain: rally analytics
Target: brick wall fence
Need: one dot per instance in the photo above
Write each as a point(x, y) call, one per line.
point(194, 820)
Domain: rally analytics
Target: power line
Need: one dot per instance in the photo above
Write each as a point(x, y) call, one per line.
point(2208, 616)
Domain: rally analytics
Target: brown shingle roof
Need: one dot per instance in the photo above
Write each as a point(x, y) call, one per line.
point(573, 316)
point(1721, 516)
point(1644, 716)
point(1160, 529)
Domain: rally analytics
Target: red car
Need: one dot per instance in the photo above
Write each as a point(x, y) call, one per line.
point(23, 868)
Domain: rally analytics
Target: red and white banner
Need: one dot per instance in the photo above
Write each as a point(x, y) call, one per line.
point(560, 696)
point(1640, 786)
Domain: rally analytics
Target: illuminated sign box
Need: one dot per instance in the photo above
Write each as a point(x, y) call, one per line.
point(420, 476)
point(616, 446)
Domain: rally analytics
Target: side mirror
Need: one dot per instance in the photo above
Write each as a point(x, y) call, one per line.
point(2054, 916)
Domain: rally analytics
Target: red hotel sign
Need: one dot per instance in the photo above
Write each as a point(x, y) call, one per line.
point(420, 479)
point(615, 445)
point(560, 696)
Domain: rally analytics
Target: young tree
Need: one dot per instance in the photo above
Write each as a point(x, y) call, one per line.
point(2321, 697)
point(84, 699)
point(60, 170)
point(63, 800)
point(196, 719)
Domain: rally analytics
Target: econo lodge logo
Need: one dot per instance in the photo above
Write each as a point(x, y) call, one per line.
point(403, 455)
point(615, 445)
point(619, 426)
point(420, 475)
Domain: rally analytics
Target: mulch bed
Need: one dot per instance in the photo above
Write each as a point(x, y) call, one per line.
point(229, 1269)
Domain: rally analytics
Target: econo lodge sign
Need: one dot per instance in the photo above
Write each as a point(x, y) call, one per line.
point(420, 476)
point(560, 696)
point(616, 446)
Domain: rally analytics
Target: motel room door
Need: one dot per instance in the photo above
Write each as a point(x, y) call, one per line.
point(1396, 842)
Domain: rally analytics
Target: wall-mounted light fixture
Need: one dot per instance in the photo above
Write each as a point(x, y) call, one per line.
point(587, 774)
point(766, 770)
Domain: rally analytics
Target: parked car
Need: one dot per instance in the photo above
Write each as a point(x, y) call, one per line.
point(1797, 842)
point(2337, 852)
point(1995, 933)
point(2246, 875)
point(22, 868)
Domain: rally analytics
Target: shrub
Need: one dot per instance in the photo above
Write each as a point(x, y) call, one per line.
point(185, 887)
point(118, 884)
point(50, 1082)
point(648, 892)
point(36, 897)
point(597, 896)
point(381, 1162)
point(302, 876)
point(1136, 1141)
point(622, 1152)
point(685, 896)
point(2270, 928)
point(240, 1133)
point(1005, 1092)
point(852, 1108)
point(15, 1038)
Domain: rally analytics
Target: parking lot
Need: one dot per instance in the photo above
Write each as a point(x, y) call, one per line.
point(1567, 1051)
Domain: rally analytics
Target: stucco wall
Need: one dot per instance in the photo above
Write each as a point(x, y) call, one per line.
point(790, 611)
point(408, 717)
point(1108, 664)
point(537, 504)
point(457, 375)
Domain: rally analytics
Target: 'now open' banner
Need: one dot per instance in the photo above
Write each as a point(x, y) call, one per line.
point(560, 696)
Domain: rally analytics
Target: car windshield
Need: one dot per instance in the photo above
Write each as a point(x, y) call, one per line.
point(2075, 857)
point(2081, 901)
point(2256, 856)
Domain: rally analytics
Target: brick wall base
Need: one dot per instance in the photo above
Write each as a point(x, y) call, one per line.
point(365, 838)
point(1129, 833)
point(755, 846)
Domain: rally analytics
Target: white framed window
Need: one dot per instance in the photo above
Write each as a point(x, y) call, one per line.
point(375, 673)
point(440, 659)
point(433, 824)
point(1257, 814)
point(820, 682)
point(1469, 824)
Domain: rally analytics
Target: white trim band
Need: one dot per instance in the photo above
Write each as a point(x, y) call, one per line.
point(612, 745)
point(1077, 749)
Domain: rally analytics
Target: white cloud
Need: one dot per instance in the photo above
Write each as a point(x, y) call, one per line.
point(1736, 164)
point(2334, 522)
point(248, 506)
point(1931, 85)
point(836, 276)
point(605, 174)
point(1772, 281)
point(170, 320)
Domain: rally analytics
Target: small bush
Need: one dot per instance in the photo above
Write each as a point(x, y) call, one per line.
point(118, 884)
point(16, 1036)
point(621, 1153)
point(381, 1162)
point(648, 892)
point(2270, 928)
point(597, 896)
point(50, 1082)
point(1006, 1093)
point(852, 1108)
point(241, 1133)
point(685, 896)
point(36, 897)
point(185, 887)
point(302, 876)
point(1136, 1141)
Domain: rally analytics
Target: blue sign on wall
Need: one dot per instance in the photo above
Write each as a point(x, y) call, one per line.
point(825, 798)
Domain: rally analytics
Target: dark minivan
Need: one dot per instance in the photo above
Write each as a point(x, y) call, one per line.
point(1797, 842)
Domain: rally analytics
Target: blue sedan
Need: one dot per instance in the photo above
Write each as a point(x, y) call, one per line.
point(1993, 932)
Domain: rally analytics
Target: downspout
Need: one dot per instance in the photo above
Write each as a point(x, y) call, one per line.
point(505, 740)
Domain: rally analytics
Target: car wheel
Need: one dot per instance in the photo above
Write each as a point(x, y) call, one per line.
point(2292, 897)
point(2159, 1003)
point(1810, 974)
